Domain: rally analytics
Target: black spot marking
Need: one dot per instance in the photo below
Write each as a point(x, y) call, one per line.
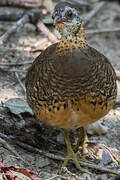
point(55, 101)
point(49, 109)
point(65, 106)
point(93, 102)
point(39, 103)
point(72, 102)
point(106, 104)
point(67, 49)
point(58, 108)
point(100, 103)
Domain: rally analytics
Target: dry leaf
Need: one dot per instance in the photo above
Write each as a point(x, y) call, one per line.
point(18, 106)
point(8, 175)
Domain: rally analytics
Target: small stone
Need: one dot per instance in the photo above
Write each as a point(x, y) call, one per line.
point(96, 128)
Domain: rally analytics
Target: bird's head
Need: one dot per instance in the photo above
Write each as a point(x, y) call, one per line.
point(66, 18)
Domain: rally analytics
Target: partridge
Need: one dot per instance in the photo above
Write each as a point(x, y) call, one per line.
point(70, 84)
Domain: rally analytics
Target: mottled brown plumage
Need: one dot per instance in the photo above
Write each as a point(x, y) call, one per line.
point(70, 84)
point(80, 82)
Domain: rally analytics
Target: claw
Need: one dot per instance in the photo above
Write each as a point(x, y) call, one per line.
point(71, 155)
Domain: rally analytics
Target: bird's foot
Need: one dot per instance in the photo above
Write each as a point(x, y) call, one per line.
point(82, 141)
point(83, 159)
point(72, 156)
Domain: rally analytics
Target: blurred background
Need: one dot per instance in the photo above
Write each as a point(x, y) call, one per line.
point(26, 29)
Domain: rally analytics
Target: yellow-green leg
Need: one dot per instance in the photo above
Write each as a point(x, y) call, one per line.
point(82, 140)
point(70, 154)
point(85, 140)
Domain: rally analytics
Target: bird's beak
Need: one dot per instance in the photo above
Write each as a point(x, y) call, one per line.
point(58, 19)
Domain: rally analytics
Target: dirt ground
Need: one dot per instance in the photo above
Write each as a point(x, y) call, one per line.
point(18, 50)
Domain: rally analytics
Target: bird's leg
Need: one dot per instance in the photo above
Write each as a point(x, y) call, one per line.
point(70, 154)
point(82, 140)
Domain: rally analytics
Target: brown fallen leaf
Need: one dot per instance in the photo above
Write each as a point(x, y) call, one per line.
point(8, 175)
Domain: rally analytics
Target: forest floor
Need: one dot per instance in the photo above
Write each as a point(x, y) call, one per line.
point(23, 47)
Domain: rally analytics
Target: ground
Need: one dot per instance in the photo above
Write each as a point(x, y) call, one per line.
point(18, 50)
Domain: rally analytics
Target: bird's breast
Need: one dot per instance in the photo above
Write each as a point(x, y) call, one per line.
point(83, 113)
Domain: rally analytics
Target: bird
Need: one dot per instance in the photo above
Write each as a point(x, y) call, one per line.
point(70, 84)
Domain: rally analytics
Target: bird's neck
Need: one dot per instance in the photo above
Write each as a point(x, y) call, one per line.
point(70, 41)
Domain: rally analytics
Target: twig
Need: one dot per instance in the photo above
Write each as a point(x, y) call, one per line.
point(36, 150)
point(72, 174)
point(100, 168)
point(14, 70)
point(21, 84)
point(8, 147)
point(15, 83)
point(81, 3)
point(60, 158)
point(37, 50)
point(11, 16)
point(56, 157)
point(46, 32)
point(16, 64)
point(28, 3)
point(31, 16)
point(102, 31)
point(40, 46)
point(92, 13)
point(13, 49)
point(14, 28)
point(21, 3)
point(58, 176)
point(49, 5)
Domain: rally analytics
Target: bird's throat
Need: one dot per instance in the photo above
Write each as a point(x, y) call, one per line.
point(72, 40)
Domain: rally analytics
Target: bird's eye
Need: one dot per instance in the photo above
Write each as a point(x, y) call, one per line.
point(55, 13)
point(69, 14)
point(61, 10)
